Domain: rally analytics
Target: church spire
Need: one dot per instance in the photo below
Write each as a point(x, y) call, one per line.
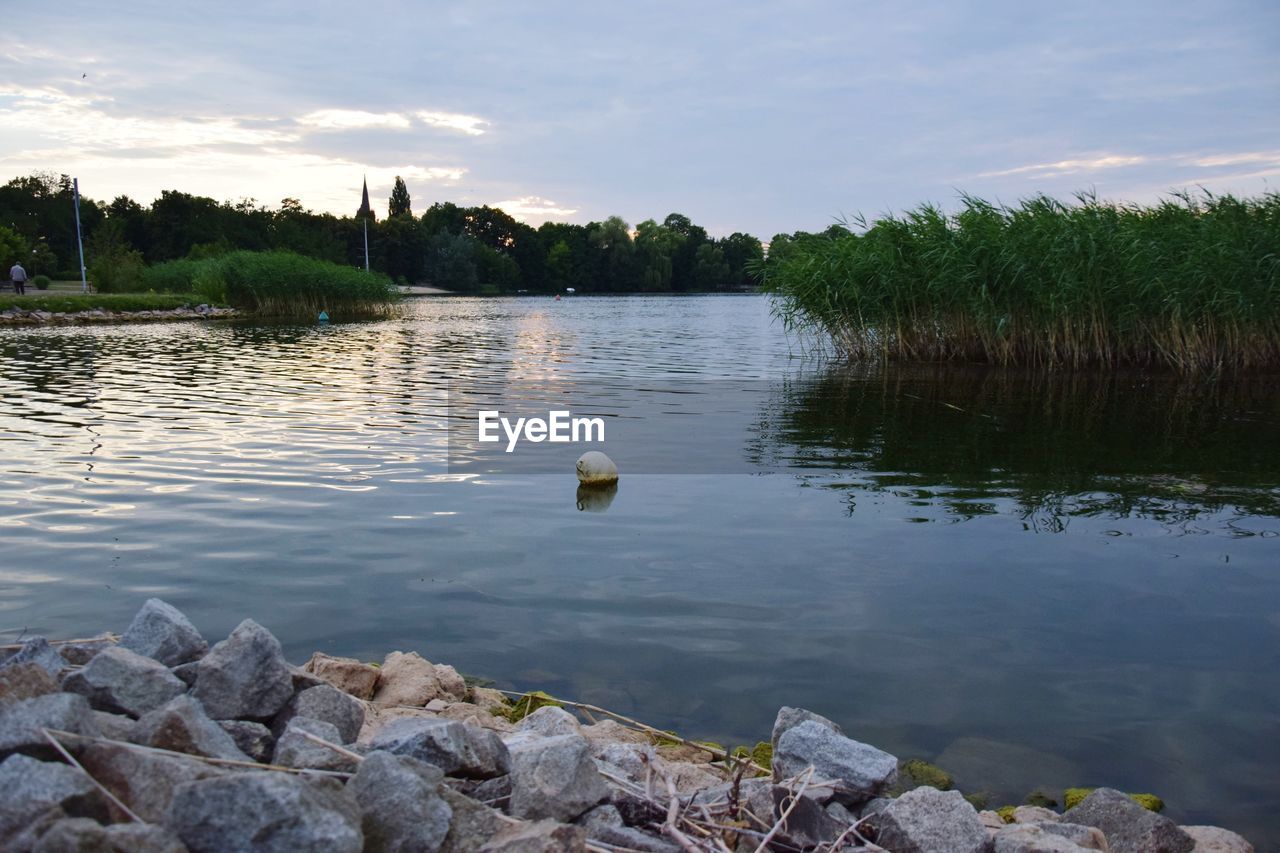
point(365, 211)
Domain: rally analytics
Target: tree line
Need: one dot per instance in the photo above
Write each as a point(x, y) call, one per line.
point(467, 249)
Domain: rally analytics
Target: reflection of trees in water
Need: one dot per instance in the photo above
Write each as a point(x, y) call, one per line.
point(1057, 445)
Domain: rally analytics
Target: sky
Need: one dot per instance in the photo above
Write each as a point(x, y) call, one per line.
point(744, 116)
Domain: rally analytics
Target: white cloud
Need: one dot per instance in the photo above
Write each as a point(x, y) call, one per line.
point(1067, 167)
point(470, 125)
point(534, 207)
point(353, 119)
point(1266, 157)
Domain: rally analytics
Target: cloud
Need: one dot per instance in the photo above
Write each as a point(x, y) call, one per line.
point(352, 119)
point(1266, 157)
point(1067, 167)
point(534, 207)
point(470, 125)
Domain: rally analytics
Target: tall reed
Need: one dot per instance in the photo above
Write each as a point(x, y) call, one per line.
point(1191, 283)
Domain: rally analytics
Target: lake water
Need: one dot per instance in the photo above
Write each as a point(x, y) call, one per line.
point(1031, 579)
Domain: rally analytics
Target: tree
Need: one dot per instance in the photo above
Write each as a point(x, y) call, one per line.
point(12, 248)
point(114, 265)
point(400, 204)
point(449, 261)
point(710, 272)
point(741, 252)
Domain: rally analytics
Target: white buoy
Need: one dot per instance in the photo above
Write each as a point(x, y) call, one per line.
point(596, 469)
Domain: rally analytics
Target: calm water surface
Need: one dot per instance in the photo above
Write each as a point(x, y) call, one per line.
point(1033, 580)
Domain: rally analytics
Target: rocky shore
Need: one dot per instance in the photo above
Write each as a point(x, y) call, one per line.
point(154, 741)
point(37, 317)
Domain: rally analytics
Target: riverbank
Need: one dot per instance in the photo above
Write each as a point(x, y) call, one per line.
point(41, 316)
point(153, 739)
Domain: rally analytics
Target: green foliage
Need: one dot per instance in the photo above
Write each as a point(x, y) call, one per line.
point(1040, 798)
point(1191, 283)
point(528, 703)
point(979, 799)
point(761, 754)
point(915, 772)
point(114, 265)
point(1006, 813)
point(12, 248)
point(73, 302)
point(171, 276)
point(400, 204)
point(41, 282)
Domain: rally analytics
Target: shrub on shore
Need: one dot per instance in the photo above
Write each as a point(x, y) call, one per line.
point(1191, 283)
point(275, 283)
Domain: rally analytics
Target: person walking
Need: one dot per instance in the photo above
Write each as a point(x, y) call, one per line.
point(19, 276)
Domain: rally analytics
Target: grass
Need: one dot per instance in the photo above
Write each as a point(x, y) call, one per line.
point(1192, 283)
point(277, 284)
point(68, 303)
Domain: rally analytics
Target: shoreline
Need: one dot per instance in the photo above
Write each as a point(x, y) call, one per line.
point(38, 317)
point(157, 732)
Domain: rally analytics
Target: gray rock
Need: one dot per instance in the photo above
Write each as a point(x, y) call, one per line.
point(789, 718)
point(187, 672)
point(549, 721)
point(38, 651)
point(555, 778)
point(181, 725)
point(841, 814)
point(82, 835)
point(79, 654)
point(253, 739)
point(162, 632)
point(808, 823)
point(400, 803)
point(295, 750)
point(346, 674)
point(31, 788)
point(927, 820)
point(1034, 814)
point(1040, 838)
point(327, 703)
point(859, 771)
point(878, 805)
point(545, 836)
point(114, 726)
point(472, 824)
point(1213, 839)
point(494, 792)
point(124, 682)
point(1128, 826)
point(456, 748)
point(754, 795)
point(25, 681)
point(265, 812)
point(244, 677)
point(21, 723)
point(144, 781)
point(604, 823)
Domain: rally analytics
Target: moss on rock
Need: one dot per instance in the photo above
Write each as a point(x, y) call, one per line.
point(1072, 797)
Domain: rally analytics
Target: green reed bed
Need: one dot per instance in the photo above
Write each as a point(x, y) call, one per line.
point(279, 284)
point(1192, 283)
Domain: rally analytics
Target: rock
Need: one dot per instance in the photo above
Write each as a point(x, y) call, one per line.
point(124, 682)
point(473, 715)
point(452, 685)
point(545, 836)
point(144, 781)
point(927, 820)
point(494, 792)
point(38, 651)
point(1129, 827)
point(489, 699)
point(326, 703)
point(25, 681)
point(456, 748)
point(596, 469)
point(265, 811)
point(253, 739)
point(604, 823)
point(181, 725)
point(472, 824)
point(555, 778)
point(245, 676)
point(82, 835)
point(1047, 837)
point(303, 680)
point(186, 672)
point(754, 795)
point(400, 803)
point(33, 787)
point(346, 674)
point(79, 654)
point(789, 718)
point(407, 679)
point(808, 823)
point(842, 814)
point(161, 631)
point(21, 723)
point(114, 726)
point(860, 771)
point(1034, 814)
point(295, 750)
point(549, 721)
point(607, 732)
point(989, 819)
point(1212, 839)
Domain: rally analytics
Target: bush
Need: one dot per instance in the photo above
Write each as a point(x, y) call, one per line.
point(171, 277)
point(40, 282)
point(118, 272)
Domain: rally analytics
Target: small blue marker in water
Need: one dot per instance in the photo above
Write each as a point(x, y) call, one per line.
point(324, 317)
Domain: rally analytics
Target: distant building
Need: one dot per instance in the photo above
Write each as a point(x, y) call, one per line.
point(365, 211)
